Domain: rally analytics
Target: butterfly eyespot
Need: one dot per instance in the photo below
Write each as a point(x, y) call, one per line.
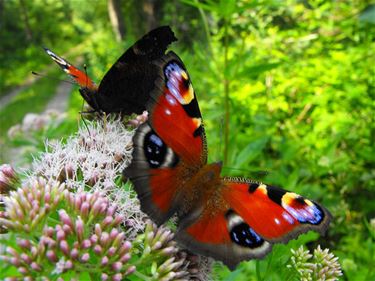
point(155, 150)
point(172, 67)
point(243, 235)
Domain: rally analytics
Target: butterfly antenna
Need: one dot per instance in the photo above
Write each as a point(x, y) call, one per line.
point(51, 77)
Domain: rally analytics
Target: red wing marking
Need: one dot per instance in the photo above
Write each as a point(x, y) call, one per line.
point(267, 218)
point(176, 128)
point(163, 184)
point(79, 77)
point(210, 229)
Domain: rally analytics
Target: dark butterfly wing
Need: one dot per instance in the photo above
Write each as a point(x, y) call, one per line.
point(126, 87)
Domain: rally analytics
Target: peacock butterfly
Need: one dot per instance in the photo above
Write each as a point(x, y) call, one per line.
point(127, 85)
point(229, 219)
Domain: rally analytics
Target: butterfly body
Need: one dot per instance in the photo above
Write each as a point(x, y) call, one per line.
point(201, 187)
point(229, 219)
point(125, 88)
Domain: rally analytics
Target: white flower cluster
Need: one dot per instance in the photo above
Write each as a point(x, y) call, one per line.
point(95, 157)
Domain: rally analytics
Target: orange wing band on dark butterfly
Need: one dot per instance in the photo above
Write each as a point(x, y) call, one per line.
point(78, 76)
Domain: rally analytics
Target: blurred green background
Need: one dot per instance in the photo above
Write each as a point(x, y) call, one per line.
point(286, 90)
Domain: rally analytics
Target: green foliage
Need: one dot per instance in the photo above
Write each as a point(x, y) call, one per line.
point(22, 39)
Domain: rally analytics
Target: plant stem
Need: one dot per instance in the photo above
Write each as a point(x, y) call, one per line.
point(257, 269)
point(206, 28)
point(226, 94)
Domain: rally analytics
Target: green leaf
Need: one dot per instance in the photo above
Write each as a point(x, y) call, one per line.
point(233, 275)
point(251, 151)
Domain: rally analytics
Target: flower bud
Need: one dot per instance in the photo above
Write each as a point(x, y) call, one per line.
point(85, 257)
point(8, 179)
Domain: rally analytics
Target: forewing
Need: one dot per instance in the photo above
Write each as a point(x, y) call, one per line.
point(78, 76)
point(274, 213)
point(175, 114)
point(126, 87)
point(170, 147)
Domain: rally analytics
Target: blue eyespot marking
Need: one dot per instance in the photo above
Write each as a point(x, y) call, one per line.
point(243, 235)
point(155, 150)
